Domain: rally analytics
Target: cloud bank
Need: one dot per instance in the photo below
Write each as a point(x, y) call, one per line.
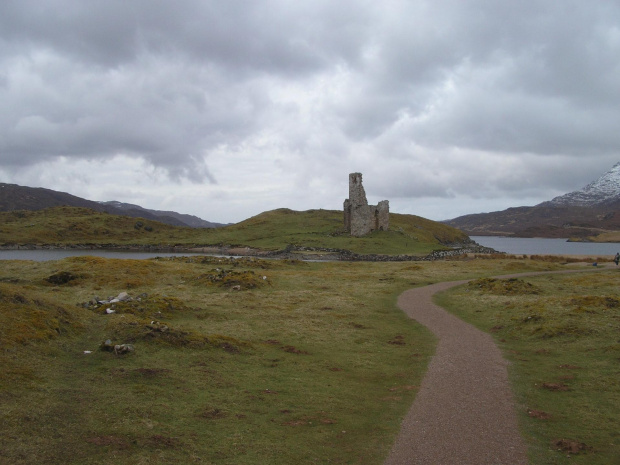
point(227, 109)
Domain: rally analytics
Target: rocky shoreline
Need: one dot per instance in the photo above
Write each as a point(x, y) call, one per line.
point(290, 253)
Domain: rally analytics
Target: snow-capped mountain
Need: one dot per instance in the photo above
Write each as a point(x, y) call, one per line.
point(604, 190)
point(584, 213)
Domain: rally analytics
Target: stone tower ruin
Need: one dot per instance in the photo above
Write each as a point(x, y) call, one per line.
point(359, 217)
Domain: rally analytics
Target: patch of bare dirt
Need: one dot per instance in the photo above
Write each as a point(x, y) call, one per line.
point(403, 388)
point(152, 372)
point(163, 441)
point(398, 340)
point(539, 414)
point(114, 441)
point(321, 418)
point(294, 350)
point(212, 413)
point(555, 386)
point(570, 446)
point(296, 423)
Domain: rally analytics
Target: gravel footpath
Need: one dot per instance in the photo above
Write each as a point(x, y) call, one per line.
point(464, 411)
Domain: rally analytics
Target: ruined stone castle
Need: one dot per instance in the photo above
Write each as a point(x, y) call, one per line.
point(359, 217)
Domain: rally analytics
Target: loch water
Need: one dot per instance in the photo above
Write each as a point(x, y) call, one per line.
point(543, 246)
point(511, 245)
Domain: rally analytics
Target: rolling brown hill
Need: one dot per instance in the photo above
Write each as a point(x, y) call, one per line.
point(14, 197)
point(542, 221)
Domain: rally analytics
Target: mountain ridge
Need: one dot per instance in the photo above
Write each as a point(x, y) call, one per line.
point(16, 197)
point(605, 189)
point(187, 220)
point(582, 214)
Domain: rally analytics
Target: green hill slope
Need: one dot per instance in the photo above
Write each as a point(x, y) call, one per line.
point(272, 230)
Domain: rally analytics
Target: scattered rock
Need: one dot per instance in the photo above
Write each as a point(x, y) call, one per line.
point(122, 297)
point(96, 301)
point(121, 349)
point(158, 327)
point(118, 349)
point(107, 346)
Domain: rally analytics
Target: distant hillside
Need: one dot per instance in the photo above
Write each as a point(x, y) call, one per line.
point(185, 220)
point(15, 197)
point(590, 212)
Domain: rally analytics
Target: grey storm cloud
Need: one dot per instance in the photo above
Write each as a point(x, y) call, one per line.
point(172, 82)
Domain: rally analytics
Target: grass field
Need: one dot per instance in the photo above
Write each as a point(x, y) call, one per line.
point(562, 335)
point(235, 361)
point(273, 230)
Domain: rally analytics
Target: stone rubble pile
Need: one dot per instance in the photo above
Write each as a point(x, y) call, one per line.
point(96, 302)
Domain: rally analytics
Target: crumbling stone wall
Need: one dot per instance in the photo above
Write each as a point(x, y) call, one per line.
point(359, 217)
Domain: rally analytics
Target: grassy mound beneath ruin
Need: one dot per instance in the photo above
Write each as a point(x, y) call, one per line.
point(273, 230)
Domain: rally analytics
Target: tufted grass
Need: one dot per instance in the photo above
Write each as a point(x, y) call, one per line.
point(562, 335)
point(313, 365)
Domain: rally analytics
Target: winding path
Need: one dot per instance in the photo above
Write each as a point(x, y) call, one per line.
point(464, 411)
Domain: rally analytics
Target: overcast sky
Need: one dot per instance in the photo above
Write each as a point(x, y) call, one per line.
point(228, 108)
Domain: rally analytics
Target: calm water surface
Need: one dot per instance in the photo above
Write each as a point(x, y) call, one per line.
point(511, 245)
point(539, 246)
